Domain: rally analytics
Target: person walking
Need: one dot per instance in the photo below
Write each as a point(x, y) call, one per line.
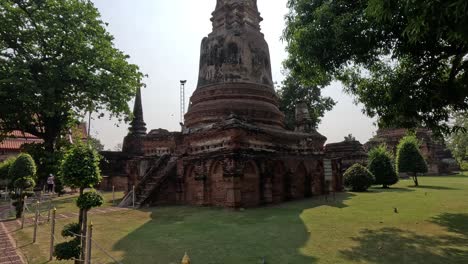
point(50, 183)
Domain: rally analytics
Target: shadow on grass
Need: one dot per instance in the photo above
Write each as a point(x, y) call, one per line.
point(393, 245)
point(391, 189)
point(455, 223)
point(214, 235)
point(429, 187)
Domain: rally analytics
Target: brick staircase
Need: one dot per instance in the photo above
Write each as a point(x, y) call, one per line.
point(151, 182)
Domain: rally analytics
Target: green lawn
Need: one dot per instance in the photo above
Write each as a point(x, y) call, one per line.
point(431, 226)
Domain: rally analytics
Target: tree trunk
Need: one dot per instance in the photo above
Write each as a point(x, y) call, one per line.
point(83, 234)
point(415, 179)
point(19, 205)
point(80, 216)
point(80, 223)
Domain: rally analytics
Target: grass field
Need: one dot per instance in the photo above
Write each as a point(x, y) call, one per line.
point(431, 226)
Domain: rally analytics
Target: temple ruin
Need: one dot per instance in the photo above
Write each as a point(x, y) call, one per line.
point(233, 150)
point(438, 157)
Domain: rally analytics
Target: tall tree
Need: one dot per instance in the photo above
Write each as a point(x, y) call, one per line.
point(57, 61)
point(293, 91)
point(406, 61)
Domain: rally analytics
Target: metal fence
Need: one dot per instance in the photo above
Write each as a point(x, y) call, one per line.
point(39, 212)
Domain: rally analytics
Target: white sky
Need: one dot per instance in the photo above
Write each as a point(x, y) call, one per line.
point(163, 37)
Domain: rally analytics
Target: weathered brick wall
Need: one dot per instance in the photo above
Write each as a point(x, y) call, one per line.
point(250, 186)
point(217, 186)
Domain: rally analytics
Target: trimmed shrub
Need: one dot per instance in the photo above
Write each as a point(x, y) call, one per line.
point(89, 200)
point(22, 174)
point(25, 183)
point(409, 159)
point(5, 168)
point(80, 167)
point(68, 250)
point(380, 164)
point(70, 229)
point(23, 167)
point(358, 178)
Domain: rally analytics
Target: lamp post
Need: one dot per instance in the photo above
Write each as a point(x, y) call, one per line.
point(182, 100)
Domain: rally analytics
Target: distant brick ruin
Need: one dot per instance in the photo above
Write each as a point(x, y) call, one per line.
point(234, 150)
point(439, 159)
point(349, 152)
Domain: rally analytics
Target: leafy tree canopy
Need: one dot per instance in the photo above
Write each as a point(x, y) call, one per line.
point(406, 61)
point(292, 91)
point(58, 61)
point(89, 200)
point(80, 167)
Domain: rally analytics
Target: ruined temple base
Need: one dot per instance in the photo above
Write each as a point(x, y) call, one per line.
point(233, 164)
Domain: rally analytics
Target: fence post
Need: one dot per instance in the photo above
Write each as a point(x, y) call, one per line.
point(23, 211)
point(6, 193)
point(52, 235)
point(49, 209)
point(133, 196)
point(113, 195)
point(185, 259)
point(88, 244)
point(36, 221)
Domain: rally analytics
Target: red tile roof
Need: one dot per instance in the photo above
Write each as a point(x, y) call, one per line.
point(17, 138)
point(19, 134)
point(15, 144)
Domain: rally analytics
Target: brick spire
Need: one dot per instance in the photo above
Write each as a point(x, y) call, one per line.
point(245, 13)
point(138, 125)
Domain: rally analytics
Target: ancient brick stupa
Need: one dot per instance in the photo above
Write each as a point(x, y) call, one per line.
point(233, 150)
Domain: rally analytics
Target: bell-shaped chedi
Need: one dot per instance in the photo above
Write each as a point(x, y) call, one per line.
point(235, 70)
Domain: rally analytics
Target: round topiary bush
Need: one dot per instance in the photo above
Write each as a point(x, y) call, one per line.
point(358, 178)
point(22, 174)
point(89, 200)
point(70, 230)
point(80, 167)
point(68, 250)
point(23, 167)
